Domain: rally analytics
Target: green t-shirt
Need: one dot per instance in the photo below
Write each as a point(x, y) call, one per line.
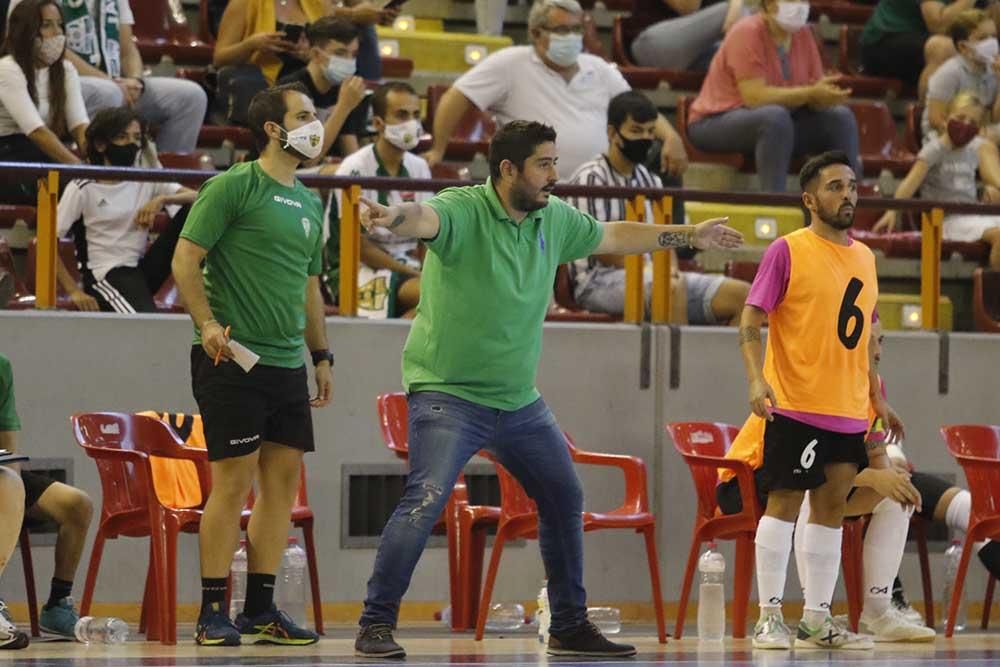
point(484, 291)
point(8, 410)
point(894, 16)
point(263, 240)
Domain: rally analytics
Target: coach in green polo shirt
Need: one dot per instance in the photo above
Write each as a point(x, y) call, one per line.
point(470, 361)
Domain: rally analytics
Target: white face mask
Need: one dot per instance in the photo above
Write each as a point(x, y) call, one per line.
point(338, 69)
point(307, 140)
point(564, 49)
point(792, 16)
point(50, 49)
point(987, 50)
point(404, 136)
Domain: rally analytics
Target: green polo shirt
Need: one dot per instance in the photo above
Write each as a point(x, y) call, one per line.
point(484, 291)
point(893, 17)
point(8, 410)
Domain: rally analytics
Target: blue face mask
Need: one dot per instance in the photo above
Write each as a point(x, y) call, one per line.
point(564, 49)
point(338, 69)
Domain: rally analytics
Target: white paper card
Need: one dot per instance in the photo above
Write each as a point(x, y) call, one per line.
point(243, 356)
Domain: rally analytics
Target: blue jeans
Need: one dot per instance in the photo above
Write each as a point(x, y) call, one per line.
point(445, 432)
point(775, 134)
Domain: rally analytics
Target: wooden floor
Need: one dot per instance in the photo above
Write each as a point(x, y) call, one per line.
point(435, 646)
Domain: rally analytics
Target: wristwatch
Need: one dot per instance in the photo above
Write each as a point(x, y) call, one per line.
point(322, 355)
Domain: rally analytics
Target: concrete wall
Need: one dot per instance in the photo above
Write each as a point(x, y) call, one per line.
point(589, 375)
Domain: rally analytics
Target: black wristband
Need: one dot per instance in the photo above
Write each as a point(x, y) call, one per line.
point(322, 355)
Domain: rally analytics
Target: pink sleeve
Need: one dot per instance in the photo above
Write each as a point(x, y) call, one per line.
point(744, 55)
point(772, 277)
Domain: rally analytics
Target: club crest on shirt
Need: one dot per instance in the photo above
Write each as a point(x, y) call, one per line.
point(541, 240)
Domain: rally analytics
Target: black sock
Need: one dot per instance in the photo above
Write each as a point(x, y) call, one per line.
point(60, 589)
point(213, 594)
point(260, 593)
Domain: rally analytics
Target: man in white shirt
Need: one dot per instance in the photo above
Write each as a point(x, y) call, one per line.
point(396, 116)
point(553, 82)
point(99, 44)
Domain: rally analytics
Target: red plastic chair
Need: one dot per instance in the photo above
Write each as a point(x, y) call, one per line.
point(466, 525)
point(913, 136)
point(734, 160)
point(741, 269)
point(976, 447)
point(120, 445)
point(474, 131)
point(161, 28)
point(519, 519)
point(877, 134)
point(862, 84)
point(839, 11)
point(24, 541)
point(986, 300)
point(567, 309)
point(10, 214)
point(649, 78)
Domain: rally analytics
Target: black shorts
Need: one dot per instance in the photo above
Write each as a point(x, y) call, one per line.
point(241, 410)
point(931, 488)
point(795, 453)
point(34, 486)
point(727, 494)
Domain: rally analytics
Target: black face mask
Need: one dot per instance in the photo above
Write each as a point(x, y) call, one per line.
point(121, 156)
point(635, 150)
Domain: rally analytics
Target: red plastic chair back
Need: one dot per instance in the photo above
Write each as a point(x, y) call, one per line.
point(393, 419)
point(976, 447)
point(914, 134)
point(618, 51)
point(703, 439)
point(876, 128)
point(742, 269)
point(475, 125)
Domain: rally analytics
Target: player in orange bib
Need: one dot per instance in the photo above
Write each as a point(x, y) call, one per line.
point(817, 289)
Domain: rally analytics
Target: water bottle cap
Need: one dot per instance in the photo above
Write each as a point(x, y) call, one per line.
point(243, 543)
point(712, 546)
point(293, 541)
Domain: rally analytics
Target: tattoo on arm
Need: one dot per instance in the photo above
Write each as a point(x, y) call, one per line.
point(673, 239)
point(749, 335)
point(400, 219)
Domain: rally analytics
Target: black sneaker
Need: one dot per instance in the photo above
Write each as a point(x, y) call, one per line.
point(990, 556)
point(274, 627)
point(375, 641)
point(587, 640)
point(215, 629)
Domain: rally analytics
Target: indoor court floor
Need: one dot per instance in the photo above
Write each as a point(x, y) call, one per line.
point(435, 646)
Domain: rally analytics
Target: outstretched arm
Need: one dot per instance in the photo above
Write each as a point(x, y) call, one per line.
point(417, 221)
point(633, 238)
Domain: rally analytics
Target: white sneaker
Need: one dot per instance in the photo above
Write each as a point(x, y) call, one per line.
point(892, 626)
point(831, 634)
point(10, 636)
point(770, 632)
point(907, 610)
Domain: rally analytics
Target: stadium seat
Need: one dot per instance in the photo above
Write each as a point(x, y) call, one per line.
point(162, 29)
point(567, 309)
point(913, 136)
point(396, 68)
point(976, 447)
point(849, 64)
point(67, 251)
point(473, 133)
point(879, 147)
point(986, 300)
point(195, 160)
point(649, 78)
point(741, 270)
point(466, 525)
point(519, 520)
point(213, 136)
point(841, 11)
point(734, 160)
point(21, 298)
point(9, 215)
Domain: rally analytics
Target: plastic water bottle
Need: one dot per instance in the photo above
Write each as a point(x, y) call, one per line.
point(544, 619)
point(607, 619)
point(101, 630)
point(952, 556)
point(711, 595)
point(505, 617)
point(290, 589)
point(238, 574)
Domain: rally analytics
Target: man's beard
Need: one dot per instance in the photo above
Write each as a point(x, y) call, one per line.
point(838, 220)
point(522, 201)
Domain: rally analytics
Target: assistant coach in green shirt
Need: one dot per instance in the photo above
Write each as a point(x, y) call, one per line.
point(258, 231)
point(470, 361)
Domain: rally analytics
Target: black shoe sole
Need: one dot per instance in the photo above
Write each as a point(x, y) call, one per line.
point(392, 655)
point(591, 654)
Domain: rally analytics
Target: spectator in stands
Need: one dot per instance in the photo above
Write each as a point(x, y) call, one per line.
point(111, 221)
point(766, 95)
point(897, 41)
point(679, 34)
point(40, 99)
point(552, 82)
point(396, 112)
point(262, 41)
point(974, 68)
point(100, 46)
point(11, 497)
point(599, 280)
point(945, 170)
point(329, 79)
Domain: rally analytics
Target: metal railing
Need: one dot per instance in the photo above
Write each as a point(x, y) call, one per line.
point(48, 175)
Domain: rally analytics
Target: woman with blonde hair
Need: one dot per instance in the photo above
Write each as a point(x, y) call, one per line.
point(946, 169)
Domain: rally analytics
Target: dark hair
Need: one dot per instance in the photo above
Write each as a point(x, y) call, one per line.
point(105, 126)
point(516, 141)
point(811, 169)
point(380, 98)
point(24, 25)
point(965, 24)
point(630, 104)
point(270, 105)
point(322, 31)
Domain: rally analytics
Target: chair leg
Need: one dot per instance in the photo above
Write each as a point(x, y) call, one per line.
point(988, 603)
point(692, 563)
point(456, 592)
point(491, 577)
point(317, 599)
point(474, 573)
point(956, 590)
point(743, 578)
point(95, 563)
point(925, 571)
point(29, 580)
point(649, 534)
point(147, 599)
point(161, 541)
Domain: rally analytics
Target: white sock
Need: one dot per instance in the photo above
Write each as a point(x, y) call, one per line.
point(800, 541)
point(883, 552)
point(822, 557)
point(956, 517)
point(773, 541)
